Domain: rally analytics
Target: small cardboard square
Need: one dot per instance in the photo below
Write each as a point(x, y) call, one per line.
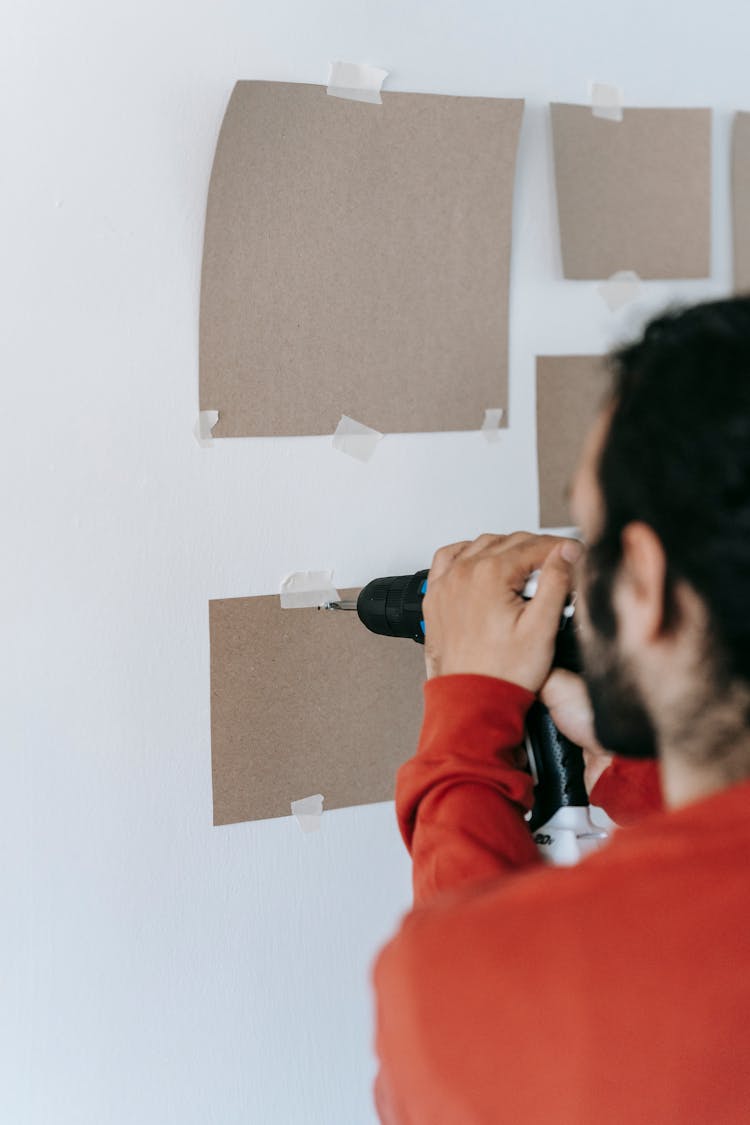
point(356, 261)
point(570, 390)
point(306, 701)
point(741, 201)
point(633, 194)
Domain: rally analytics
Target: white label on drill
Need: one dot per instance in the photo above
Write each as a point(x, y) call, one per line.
point(207, 419)
point(308, 812)
point(491, 424)
point(619, 289)
point(356, 81)
point(606, 101)
point(308, 588)
point(355, 439)
point(532, 583)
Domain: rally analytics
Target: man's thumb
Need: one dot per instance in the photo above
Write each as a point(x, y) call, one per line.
point(555, 580)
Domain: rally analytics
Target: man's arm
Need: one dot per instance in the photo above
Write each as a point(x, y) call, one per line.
point(461, 799)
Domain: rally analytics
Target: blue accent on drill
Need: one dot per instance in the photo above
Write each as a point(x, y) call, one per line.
point(423, 590)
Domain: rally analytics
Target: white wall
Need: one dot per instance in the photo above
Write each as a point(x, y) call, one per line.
point(156, 969)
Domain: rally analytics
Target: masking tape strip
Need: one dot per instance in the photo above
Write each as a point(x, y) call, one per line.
point(205, 423)
point(491, 425)
point(606, 101)
point(355, 439)
point(308, 811)
point(619, 289)
point(308, 588)
point(356, 81)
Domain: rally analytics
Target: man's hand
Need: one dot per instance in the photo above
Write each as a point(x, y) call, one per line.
point(565, 697)
point(475, 618)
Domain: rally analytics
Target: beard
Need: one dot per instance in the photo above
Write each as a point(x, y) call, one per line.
point(622, 722)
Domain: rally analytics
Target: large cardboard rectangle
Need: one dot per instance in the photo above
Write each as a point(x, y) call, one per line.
point(741, 201)
point(306, 701)
point(356, 261)
point(570, 390)
point(633, 194)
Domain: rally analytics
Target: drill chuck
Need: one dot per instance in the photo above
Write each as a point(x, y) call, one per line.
point(393, 606)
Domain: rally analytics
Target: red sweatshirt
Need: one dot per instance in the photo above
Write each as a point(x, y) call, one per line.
point(616, 992)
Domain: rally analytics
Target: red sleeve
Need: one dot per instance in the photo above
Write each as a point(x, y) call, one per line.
point(629, 790)
point(461, 799)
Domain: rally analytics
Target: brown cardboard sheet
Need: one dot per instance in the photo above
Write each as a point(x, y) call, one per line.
point(741, 201)
point(634, 194)
point(306, 701)
point(569, 392)
point(356, 261)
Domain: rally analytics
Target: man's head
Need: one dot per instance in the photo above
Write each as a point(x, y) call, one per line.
point(662, 498)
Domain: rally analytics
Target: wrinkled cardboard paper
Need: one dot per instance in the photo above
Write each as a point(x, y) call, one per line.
point(306, 701)
point(741, 201)
point(633, 194)
point(570, 390)
point(356, 261)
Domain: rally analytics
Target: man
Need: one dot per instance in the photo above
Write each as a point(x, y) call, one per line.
point(617, 991)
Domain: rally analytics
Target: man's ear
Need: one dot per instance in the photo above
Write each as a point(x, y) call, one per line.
point(640, 586)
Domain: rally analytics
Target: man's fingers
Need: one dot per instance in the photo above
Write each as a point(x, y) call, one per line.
point(481, 544)
point(555, 581)
point(466, 549)
point(444, 558)
point(499, 544)
point(561, 688)
point(523, 555)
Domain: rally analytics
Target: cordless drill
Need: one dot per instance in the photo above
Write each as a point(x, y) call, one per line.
point(560, 820)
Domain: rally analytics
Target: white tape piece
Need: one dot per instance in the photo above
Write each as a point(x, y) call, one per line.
point(491, 424)
point(308, 812)
point(356, 81)
point(355, 439)
point(207, 419)
point(306, 589)
point(619, 289)
point(606, 101)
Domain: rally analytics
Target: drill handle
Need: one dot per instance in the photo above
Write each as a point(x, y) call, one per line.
point(557, 766)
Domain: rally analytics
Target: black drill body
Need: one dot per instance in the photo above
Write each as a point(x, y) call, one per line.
point(393, 607)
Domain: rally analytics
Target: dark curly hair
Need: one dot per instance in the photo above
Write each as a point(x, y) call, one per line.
point(677, 457)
